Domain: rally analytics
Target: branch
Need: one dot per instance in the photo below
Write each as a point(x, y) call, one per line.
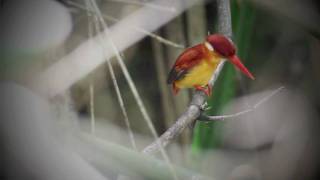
point(223, 117)
point(194, 109)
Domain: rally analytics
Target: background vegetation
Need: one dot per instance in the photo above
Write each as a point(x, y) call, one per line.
point(278, 40)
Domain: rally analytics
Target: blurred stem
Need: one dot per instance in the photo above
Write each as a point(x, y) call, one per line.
point(162, 71)
point(110, 156)
point(205, 135)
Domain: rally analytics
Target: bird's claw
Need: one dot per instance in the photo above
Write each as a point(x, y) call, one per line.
point(205, 107)
point(206, 89)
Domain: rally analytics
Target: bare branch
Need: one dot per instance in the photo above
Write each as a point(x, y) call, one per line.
point(190, 115)
point(91, 89)
point(194, 109)
point(268, 97)
point(223, 117)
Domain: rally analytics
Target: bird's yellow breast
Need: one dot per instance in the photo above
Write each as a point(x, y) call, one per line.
point(200, 74)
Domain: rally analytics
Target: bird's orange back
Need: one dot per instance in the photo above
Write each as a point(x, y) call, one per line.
point(194, 67)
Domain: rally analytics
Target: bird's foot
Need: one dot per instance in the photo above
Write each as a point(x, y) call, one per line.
point(205, 107)
point(206, 89)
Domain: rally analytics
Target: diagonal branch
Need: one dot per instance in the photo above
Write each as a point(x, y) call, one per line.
point(118, 159)
point(189, 116)
point(194, 109)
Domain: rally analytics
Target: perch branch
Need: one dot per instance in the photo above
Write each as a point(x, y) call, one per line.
point(189, 116)
point(194, 109)
point(223, 117)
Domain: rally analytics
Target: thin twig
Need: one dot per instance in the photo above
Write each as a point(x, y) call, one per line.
point(151, 5)
point(116, 86)
point(268, 97)
point(136, 28)
point(194, 109)
point(93, 122)
point(123, 109)
point(91, 87)
point(223, 117)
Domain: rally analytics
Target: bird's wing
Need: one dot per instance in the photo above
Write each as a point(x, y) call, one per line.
point(185, 62)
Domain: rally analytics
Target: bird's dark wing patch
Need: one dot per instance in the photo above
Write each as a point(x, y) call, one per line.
point(175, 75)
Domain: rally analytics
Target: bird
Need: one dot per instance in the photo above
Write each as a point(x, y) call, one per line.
point(195, 66)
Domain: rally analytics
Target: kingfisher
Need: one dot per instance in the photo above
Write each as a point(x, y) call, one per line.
point(195, 66)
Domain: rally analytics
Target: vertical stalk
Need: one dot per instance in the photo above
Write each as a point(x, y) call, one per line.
point(93, 121)
point(207, 135)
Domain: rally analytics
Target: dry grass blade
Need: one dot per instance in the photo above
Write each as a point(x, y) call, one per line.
point(116, 86)
point(136, 28)
point(151, 5)
point(133, 88)
point(87, 56)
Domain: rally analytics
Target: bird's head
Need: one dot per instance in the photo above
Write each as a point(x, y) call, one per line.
point(225, 48)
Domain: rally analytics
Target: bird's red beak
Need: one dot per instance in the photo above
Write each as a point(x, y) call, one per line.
point(236, 61)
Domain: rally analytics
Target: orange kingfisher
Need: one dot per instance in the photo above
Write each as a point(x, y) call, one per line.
point(195, 66)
